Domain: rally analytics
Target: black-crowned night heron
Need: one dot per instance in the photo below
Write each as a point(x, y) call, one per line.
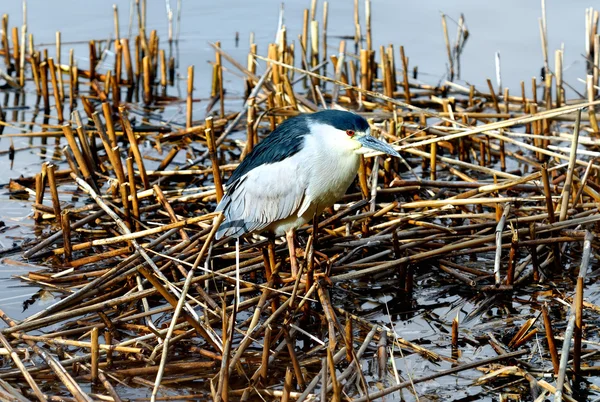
point(304, 166)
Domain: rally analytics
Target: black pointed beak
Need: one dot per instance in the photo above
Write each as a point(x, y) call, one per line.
point(372, 143)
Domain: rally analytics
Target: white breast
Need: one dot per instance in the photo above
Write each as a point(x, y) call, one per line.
point(326, 166)
point(331, 163)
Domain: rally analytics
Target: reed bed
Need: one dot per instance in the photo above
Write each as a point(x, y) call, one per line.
point(484, 232)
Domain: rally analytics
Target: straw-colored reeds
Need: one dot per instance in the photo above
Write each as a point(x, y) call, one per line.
point(496, 198)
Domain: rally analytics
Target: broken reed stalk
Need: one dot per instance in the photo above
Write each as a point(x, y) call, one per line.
point(212, 152)
point(61, 86)
point(189, 99)
point(53, 190)
point(550, 339)
point(564, 358)
point(566, 193)
point(40, 186)
point(95, 354)
point(83, 164)
point(405, 81)
point(148, 80)
point(499, 230)
point(575, 322)
point(55, 90)
point(5, 46)
point(66, 229)
point(84, 142)
point(221, 87)
point(113, 154)
point(578, 301)
point(448, 48)
point(455, 337)
point(16, 50)
point(134, 147)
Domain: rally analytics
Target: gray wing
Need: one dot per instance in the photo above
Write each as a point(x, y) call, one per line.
point(266, 194)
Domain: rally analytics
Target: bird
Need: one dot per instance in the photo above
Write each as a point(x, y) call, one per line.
point(301, 168)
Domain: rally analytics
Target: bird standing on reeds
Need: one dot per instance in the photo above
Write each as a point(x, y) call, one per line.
point(304, 166)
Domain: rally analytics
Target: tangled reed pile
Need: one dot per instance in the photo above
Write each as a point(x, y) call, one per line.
point(490, 218)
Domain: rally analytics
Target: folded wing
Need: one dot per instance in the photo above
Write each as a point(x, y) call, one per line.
point(266, 194)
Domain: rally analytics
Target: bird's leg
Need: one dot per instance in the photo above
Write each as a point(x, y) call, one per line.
point(272, 257)
point(270, 267)
point(290, 236)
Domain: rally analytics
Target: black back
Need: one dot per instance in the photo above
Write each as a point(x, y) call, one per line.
point(288, 138)
point(341, 120)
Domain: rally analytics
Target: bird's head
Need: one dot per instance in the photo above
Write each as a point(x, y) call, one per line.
point(351, 131)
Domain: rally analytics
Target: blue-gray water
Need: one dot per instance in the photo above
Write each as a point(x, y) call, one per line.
point(509, 27)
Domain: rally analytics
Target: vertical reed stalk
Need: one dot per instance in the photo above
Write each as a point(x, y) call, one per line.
point(454, 342)
point(190, 99)
point(125, 203)
point(314, 40)
point(22, 54)
point(212, 152)
point(596, 74)
point(221, 88)
point(116, 22)
point(163, 70)
point(558, 70)
point(364, 71)
point(118, 62)
point(264, 367)
point(61, 86)
point(564, 203)
point(66, 231)
point(404, 61)
point(16, 50)
point(44, 86)
point(54, 191)
point(433, 161)
point(95, 355)
point(112, 152)
point(287, 385)
point(139, 160)
point(304, 40)
point(324, 33)
point(81, 161)
point(448, 48)
point(578, 301)
point(135, 208)
point(55, 90)
point(92, 60)
point(39, 196)
point(591, 93)
point(368, 24)
point(147, 80)
point(550, 339)
point(110, 127)
point(5, 46)
point(35, 71)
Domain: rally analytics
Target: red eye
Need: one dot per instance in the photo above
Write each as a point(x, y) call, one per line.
point(350, 133)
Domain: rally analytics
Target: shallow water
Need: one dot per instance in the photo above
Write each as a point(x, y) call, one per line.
point(509, 27)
